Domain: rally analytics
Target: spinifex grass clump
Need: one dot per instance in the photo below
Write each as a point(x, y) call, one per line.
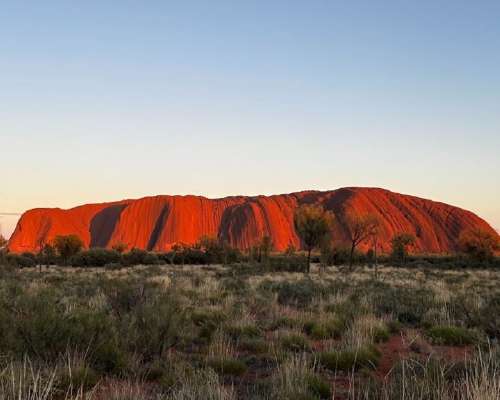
point(350, 360)
point(296, 378)
point(451, 336)
point(222, 356)
point(323, 329)
point(294, 341)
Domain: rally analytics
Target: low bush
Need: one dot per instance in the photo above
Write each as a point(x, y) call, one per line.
point(229, 366)
point(451, 336)
point(323, 329)
point(73, 379)
point(95, 258)
point(20, 261)
point(349, 360)
point(318, 387)
point(295, 342)
point(139, 257)
point(243, 331)
point(253, 345)
point(381, 334)
point(299, 294)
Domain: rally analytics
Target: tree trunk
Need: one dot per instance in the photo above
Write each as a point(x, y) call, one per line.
point(309, 260)
point(353, 246)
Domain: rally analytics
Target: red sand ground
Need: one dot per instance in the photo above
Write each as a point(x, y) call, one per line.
point(156, 223)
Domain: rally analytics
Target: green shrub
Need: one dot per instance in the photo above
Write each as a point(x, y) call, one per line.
point(230, 366)
point(155, 326)
point(283, 322)
point(323, 329)
point(318, 387)
point(244, 331)
point(394, 326)
point(381, 334)
point(96, 257)
point(208, 322)
point(81, 378)
point(20, 261)
point(348, 360)
point(451, 336)
point(204, 317)
point(253, 345)
point(139, 257)
point(299, 294)
point(294, 342)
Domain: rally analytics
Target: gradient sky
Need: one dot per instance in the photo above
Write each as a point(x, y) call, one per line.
point(104, 100)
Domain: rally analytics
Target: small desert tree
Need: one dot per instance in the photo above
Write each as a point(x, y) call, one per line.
point(480, 244)
point(46, 256)
point(3, 241)
point(265, 247)
point(212, 247)
point(400, 244)
point(313, 225)
point(67, 246)
point(360, 227)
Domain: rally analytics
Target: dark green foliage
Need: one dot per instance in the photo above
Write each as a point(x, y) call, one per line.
point(244, 331)
point(408, 305)
point(295, 342)
point(82, 377)
point(201, 317)
point(400, 244)
point(318, 387)
point(156, 325)
point(253, 345)
point(323, 329)
point(208, 322)
point(341, 255)
point(96, 257)
point(139, 257)
point(293, 263)
point(299, 294)
point(67, 246)
point(227, 366)
point(381, 334)
point(489, 318)
point(20, 261)
point(284, 322)
point(313, 225)
point(206, 251)
point(47, 255)
point(451, 336)
point(366, 357)
point(40, 326)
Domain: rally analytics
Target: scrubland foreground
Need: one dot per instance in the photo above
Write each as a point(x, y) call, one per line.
point(236, 332)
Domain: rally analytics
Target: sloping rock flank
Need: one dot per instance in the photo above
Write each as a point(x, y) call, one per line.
point(157, 223)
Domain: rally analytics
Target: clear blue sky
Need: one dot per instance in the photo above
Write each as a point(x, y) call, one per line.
point(103, 100)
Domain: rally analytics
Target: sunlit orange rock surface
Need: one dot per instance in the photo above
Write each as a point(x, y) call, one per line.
point(156, 223)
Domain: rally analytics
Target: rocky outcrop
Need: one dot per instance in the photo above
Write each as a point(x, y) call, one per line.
point(157, 223)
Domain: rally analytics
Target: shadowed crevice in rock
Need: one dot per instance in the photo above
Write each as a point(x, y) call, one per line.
point(103, 225)
point(160, 223)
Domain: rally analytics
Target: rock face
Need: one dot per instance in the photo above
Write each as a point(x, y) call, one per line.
point(157, 223)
